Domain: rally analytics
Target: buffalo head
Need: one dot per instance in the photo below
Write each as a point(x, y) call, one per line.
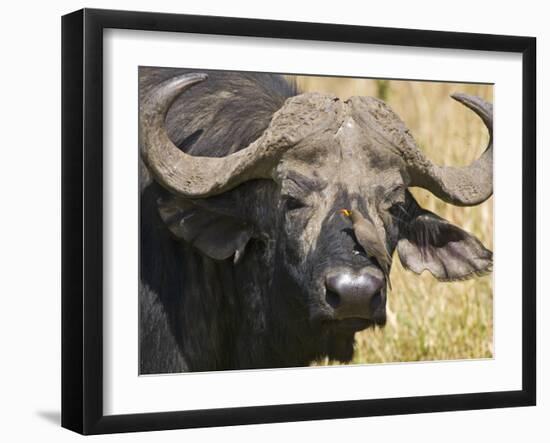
point(286, 189)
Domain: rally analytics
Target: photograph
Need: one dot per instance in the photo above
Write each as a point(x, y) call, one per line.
point(275, 222)
point(290, 220)
point(286, 219)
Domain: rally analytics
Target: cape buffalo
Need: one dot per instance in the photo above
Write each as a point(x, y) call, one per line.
point(245, 259)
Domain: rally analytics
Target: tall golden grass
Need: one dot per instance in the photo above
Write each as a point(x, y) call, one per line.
point(429, 320)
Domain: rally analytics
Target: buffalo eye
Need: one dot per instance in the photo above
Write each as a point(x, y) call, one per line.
point(293, 203)
point(393, 200)
point(392, 207)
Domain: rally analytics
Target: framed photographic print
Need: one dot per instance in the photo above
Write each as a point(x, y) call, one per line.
point(273, 221)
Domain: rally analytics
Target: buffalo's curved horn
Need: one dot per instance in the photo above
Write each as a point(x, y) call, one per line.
point(184, 174)
point(460, 186)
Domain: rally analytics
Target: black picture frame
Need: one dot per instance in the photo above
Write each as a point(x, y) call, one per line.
point(82, 218)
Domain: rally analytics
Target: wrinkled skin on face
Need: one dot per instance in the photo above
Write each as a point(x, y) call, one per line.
point(344, 164)
point(350, 161)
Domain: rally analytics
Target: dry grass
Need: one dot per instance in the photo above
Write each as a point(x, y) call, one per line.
point(428, 320)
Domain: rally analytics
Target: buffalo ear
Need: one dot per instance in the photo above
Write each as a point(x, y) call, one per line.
point(448, 252)
point(216, 235)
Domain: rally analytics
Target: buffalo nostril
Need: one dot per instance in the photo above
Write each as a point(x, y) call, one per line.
point(332, 298)
point(332, 288)
point(376, 301)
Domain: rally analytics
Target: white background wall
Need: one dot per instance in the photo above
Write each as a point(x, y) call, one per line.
point(30, 219)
